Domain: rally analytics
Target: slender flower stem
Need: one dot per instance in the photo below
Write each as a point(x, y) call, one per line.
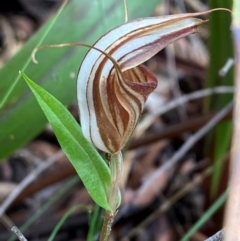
point(107, 224)
point(116, 169)
point(7, 222)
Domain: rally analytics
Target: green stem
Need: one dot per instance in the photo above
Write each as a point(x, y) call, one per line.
point(93, 223)
point(116, 169)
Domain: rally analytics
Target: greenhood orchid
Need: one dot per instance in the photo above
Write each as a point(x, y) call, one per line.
point(113, 85)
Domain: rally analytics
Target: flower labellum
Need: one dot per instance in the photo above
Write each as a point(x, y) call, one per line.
point(112, 90)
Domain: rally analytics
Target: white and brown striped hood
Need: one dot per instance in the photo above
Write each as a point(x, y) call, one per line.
point(111, 94)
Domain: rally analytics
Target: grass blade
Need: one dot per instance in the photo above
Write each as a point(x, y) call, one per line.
point(46, 206)
point(64, 218)
point(221, 49)
point(216, 205)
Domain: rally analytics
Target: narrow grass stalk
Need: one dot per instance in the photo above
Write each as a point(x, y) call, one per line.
point(218, 141)
point(168, 204)
point(64, 218)
point(27, 181)
point(93, 223)
point(46, 206)
point(215, 206)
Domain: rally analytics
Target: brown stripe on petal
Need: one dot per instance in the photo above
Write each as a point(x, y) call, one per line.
point(125, 98)
point(115, 100)
point(122, 101)
point(122, 116)
point(106, 127)
point(131, 101)
point(148, 80)
point(125, 107)
point(150, 49)
point(118, 109)
point(117, 105)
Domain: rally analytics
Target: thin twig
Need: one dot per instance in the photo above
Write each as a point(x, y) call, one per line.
point(217, 236)
point(148, 120)
point(192, 140)
point(11, 226)
point(27, 180)
point(169, 203)
point(193, 96)
point(225, 69)
point(182, 151)
point(16, 231)
point(175, 130)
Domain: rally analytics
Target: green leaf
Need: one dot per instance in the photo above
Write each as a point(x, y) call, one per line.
point(89, 165)
point(81, 21)
point(220, 49)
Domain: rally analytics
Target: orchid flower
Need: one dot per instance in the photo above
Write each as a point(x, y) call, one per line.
point(113, 85)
